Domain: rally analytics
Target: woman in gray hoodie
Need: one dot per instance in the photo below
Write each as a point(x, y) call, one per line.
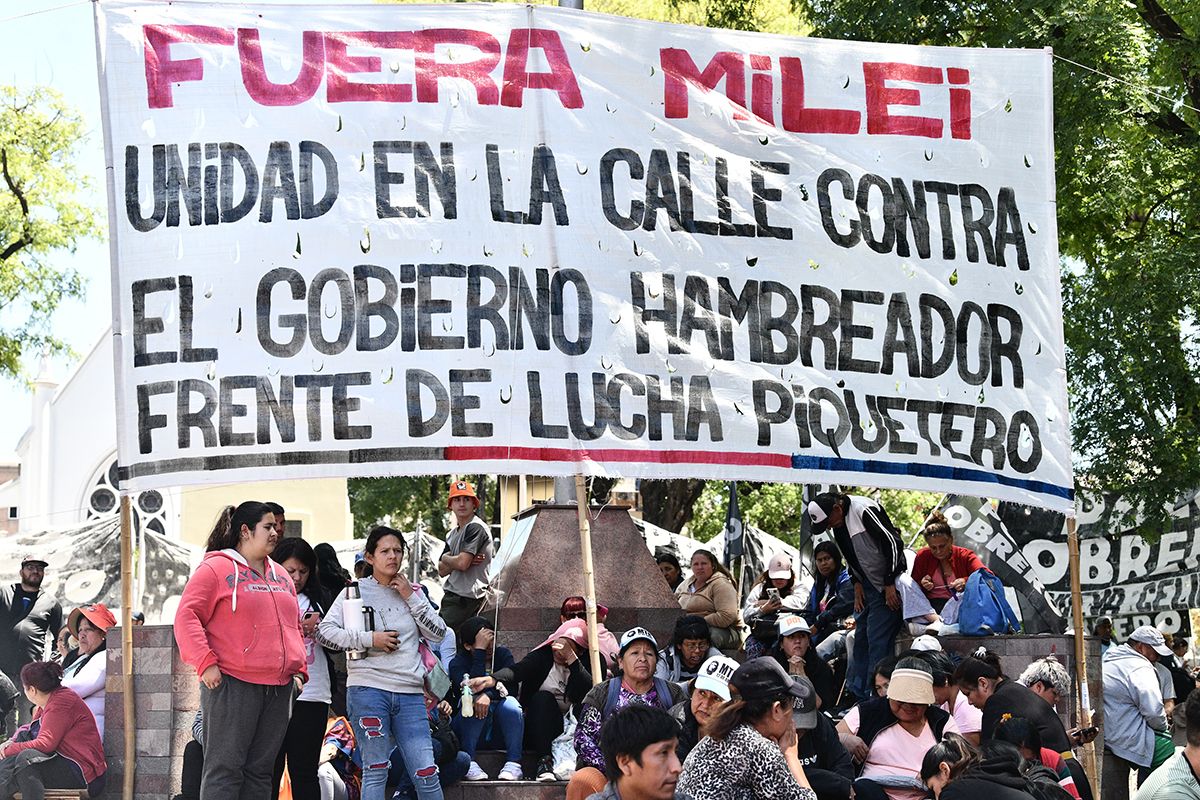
point(385, 691)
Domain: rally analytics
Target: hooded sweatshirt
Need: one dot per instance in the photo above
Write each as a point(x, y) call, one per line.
point(995, 779)
point(1133, 705)
point(245, 623)
point(400, 671)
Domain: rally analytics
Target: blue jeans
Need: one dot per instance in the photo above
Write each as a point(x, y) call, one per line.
point(507, 725)
point(875, 632)
point(449, 773)
point(384, 721)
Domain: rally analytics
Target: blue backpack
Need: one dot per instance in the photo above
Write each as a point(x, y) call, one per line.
point(983, 609)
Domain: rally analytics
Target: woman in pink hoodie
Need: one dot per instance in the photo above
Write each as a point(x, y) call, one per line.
point(238, 624)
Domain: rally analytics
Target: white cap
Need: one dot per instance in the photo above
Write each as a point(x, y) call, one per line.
point(1153, 637)
point(780, 567)
point(793, 624)
point(927, 643)
point(633, 634)
point(714, 675)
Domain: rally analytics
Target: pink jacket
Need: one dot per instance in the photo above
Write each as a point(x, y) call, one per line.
point(246, 623)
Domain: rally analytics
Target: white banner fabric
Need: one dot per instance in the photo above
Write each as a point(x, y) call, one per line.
point(369, 240)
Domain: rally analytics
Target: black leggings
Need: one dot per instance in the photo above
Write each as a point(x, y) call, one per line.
point(302, 749)
point(54, 773)
point(193, 770)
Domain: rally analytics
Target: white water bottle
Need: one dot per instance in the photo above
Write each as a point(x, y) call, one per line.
point(352, 618)
point(468, 700)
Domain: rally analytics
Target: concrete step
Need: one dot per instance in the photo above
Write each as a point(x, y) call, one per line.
point(492, 761)
point(507, 790)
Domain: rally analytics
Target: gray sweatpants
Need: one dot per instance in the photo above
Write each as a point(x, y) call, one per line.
point(244, 724)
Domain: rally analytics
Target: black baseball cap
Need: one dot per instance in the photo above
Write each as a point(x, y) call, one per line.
point(804, 704)
point(819, 510)
point(763, 679)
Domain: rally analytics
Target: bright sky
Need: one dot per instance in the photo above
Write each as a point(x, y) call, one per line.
point(58, 48)
point(53, 42)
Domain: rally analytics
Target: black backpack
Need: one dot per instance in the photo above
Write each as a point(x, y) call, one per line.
point(1042, 783)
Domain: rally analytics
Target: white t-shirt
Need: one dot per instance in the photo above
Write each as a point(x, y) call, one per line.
point(318, 689)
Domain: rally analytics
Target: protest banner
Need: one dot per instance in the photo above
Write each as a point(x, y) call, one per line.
point(366, 240)
point(1134, 580)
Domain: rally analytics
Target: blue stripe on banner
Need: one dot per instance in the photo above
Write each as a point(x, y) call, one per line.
point(942, 472)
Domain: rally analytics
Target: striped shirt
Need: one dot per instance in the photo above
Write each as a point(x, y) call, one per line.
point(1174, 780)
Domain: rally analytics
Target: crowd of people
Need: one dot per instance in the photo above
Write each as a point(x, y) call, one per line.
point(329, 686)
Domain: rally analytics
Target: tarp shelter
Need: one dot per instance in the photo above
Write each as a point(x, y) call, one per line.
point(85, 566)
point(759, 547)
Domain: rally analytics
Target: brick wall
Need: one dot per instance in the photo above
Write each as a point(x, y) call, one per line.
point(167, 695)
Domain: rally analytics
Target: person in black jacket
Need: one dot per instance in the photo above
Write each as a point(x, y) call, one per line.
point(828, 766)
point(565, 656)
point(954, 770)
point(830, 602)
point(795, 654)
point(983, 682)
point(874, 553)
point(27, 614)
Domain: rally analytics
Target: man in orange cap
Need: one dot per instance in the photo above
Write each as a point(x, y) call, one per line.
point(464, 564)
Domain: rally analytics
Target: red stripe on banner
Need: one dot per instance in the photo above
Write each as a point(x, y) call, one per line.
point(781, 461)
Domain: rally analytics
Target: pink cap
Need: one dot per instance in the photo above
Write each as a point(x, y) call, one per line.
point(779, 567)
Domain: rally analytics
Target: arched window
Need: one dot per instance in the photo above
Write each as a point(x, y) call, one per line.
point(151, 508)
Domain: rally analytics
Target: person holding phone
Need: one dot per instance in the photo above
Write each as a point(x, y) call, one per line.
point(767, 598)
point(386, 691)
point(301, 747)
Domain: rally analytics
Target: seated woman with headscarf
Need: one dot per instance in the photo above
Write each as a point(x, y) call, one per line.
point(60, 748)
point(87, 673)
point(548, 681)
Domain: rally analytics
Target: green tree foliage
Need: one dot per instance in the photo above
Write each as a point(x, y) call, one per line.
point(407, 502)
point(40, 214)
point(776, 508)
point(1127, 157)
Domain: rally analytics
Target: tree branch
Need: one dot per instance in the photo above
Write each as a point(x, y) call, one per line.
point(26, 239)
point(1162, 22)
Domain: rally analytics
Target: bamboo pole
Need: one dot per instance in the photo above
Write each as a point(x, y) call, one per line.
point(127, 649)
point(589, 575)
point(1081, 698)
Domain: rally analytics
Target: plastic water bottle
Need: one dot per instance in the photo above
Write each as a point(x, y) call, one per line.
point(352, 618)
point(468, 700)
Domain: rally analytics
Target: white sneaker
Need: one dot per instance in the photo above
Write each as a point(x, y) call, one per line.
point(475, 773)
point(511, 772)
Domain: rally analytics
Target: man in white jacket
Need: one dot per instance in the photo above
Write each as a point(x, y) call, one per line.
point(1133, 709)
